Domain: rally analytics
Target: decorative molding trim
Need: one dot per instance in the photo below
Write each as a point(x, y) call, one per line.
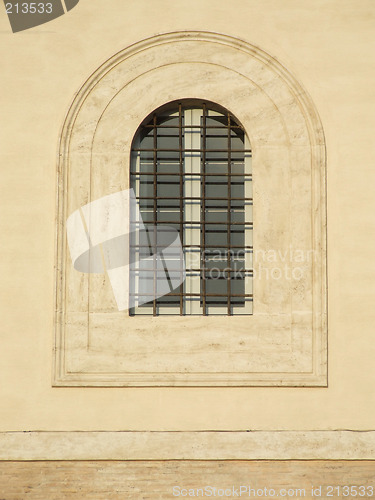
point(198, 445)
point(285, 342)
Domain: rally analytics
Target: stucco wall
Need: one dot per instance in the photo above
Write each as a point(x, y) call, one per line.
point(328, 46)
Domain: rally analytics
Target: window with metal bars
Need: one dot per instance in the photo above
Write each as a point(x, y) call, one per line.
point(191, 170)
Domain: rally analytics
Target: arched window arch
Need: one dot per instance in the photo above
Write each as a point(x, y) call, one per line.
point(191, 170)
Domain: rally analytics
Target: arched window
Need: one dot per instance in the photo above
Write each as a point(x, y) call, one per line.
point(191, 170)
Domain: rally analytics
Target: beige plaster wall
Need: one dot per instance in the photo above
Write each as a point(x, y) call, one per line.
point(329, 47)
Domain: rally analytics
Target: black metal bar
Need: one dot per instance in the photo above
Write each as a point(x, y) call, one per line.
point(247, 248)
point(182, 236)
point(195, 294)
point(203, 216)
point(177, 207)
point(222, 127)
point(198, 198)
point(191, 174)
point(196, 270)
point(173, 150)
point(154, 310)
point(186, 223)
point(229, 284)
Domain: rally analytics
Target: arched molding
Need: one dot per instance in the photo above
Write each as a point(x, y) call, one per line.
point(284, 342)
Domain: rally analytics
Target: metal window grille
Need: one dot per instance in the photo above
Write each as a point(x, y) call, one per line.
point(191, 169)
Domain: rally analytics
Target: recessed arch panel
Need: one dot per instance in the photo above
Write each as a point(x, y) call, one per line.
point(284, 341)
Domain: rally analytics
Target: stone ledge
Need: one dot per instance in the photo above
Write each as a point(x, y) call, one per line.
point(181, 445)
